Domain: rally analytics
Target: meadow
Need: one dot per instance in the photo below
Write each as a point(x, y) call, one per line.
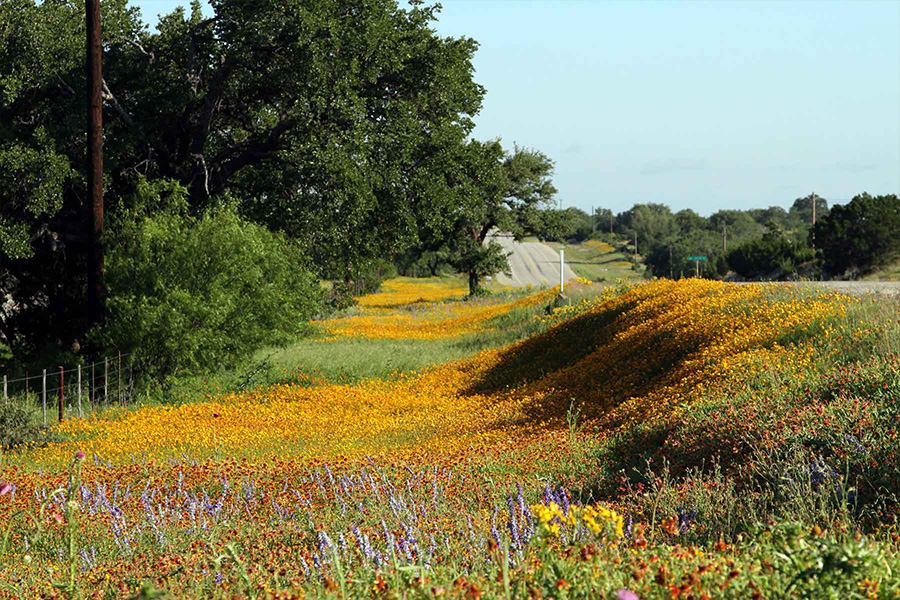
point(669, 439)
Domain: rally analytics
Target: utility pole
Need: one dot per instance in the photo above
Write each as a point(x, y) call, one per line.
point(671, 275)
point(635, 247)
point(724, 243)
point(593, 221)
point(96, 286)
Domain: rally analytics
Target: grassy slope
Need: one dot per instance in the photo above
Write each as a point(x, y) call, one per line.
point(598, 261)
point(772, 482)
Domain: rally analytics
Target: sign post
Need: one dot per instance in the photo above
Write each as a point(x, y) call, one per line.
point(562, 283)
point(697, 260)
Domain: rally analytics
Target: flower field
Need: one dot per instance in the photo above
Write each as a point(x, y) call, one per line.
point(688, 439)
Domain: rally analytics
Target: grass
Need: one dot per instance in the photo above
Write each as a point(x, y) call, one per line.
point(775, 479)
point(887, 273)
point(597, 260)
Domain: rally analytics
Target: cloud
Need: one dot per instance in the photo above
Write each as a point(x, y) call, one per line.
point(669, 165)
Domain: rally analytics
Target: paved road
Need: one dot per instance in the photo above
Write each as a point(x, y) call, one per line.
point(532, 263)
point(857, 288)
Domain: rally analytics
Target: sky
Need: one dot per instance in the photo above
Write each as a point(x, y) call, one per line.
point(702, 105)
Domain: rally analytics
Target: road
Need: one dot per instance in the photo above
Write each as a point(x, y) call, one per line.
point(532, 263)
point(857, 288)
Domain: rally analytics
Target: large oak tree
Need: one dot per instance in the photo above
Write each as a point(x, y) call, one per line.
point(327, 119)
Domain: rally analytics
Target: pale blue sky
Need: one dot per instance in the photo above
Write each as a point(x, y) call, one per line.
point(703, 105)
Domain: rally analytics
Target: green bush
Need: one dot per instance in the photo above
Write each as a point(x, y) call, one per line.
point(192, 295)
point(773, 253)
point(19, 424)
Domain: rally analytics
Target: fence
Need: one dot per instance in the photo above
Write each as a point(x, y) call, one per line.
point(110, 380)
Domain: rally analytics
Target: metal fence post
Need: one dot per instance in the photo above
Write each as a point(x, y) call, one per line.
point(5, 396)
point(44, 410)
point(80, 414)
point(105, 381)
point(61, 381)
point(119, 377)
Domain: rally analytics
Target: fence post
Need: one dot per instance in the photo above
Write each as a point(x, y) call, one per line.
point(44, 409)
point(119, 377)
point(61, 380)
point(80, 414)
point(5, 396)
point(93, 386)
point(105, 381)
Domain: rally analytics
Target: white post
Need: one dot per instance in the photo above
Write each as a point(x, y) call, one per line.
point(80, 414)
point(561, 266)
point(45, 398)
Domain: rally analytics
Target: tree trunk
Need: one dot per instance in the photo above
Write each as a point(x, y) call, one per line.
point(474, 283)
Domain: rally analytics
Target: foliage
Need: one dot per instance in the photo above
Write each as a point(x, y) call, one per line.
point(492, 190)
point(193, 294)
point(651, 223)
point(861, 235)
point(671, 259)
point(772, 471)
point(20, 425)
point(773, 255)
point(325, 119)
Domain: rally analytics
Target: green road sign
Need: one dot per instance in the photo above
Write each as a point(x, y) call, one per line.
point(696, 258)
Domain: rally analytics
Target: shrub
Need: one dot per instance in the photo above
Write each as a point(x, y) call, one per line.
point(19, 424)
point(191, 295)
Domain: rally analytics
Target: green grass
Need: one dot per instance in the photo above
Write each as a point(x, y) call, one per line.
point(350, 360)
point(889, 272)
point(600, 264)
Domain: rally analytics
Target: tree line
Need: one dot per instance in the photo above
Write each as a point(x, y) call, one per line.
point(773, 243)
point(248, 156)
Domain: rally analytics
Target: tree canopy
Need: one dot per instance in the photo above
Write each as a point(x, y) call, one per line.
point(329, 120)
point(861, 235)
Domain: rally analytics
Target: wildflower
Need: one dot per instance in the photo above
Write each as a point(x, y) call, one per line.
point(5, 488)
point(626, 595)
point(79, 455)
point(216, 415)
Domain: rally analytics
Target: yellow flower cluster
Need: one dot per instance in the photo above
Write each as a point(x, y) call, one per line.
point(426, 320)
point(599, 245)
point(628, 358)
point(404, 291)
point(598, 519)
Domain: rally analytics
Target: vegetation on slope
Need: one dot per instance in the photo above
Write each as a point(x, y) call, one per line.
point(690, 438)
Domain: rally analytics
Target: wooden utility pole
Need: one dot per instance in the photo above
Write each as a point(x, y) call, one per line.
point(724, 243)
point(671, 274)
point(96, 286)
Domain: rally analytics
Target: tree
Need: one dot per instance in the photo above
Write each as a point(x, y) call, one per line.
point(490, 189)
point(603, 218)
point(189, 295)
point(739, 225)
point(801, 210)
point(861, 235)
point(325, 119)
point(652, 224)
point(687, 221)
point(774, 254)
point(670, 258)
point(571, 224)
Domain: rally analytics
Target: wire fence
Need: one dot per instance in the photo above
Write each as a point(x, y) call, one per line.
point(70, 392)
